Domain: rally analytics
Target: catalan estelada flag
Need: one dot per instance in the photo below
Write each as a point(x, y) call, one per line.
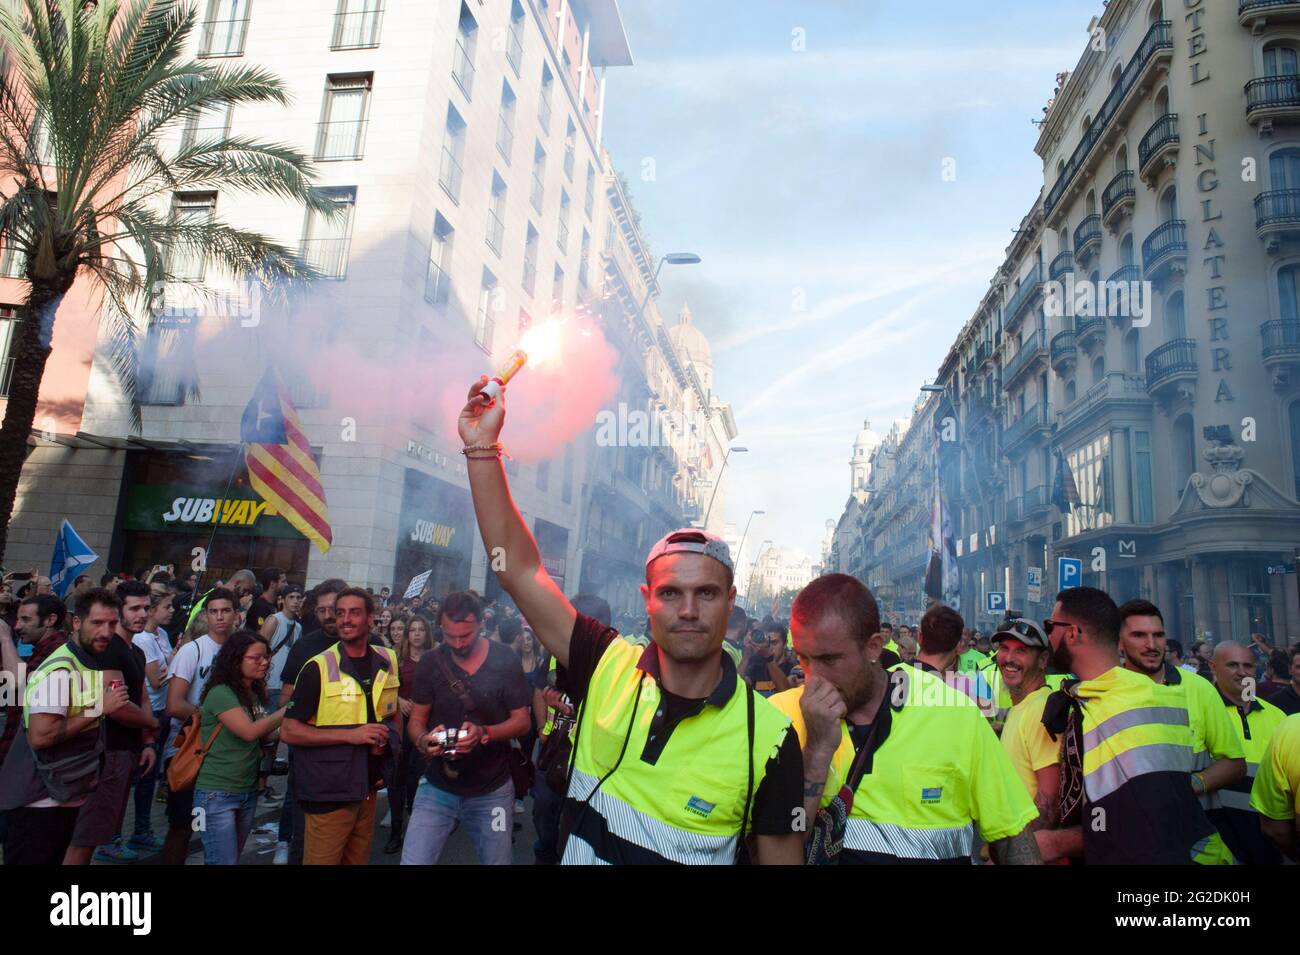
point(280, 464)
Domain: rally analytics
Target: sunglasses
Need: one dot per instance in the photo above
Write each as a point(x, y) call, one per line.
point(1024, 629)
point(1049, 624)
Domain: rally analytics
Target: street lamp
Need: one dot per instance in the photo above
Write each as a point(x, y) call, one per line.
point(716, 482)
point(753, 572)
point(672, 258)
point(741, 546)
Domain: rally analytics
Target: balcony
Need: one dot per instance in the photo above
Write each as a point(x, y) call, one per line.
point(1087, 238)
point(505, 138)
point(1034, 501)
point(462, 68)
point(449, 175)
point(1117, 388)
point(983, 353)
point(1165, 250)
point(342, 139)
point(1281, 340)
point(979, 413)
point(1031, 424)
point(1256, 14)
point(496, 230)
point(1170, 365)
point(1089, 333)
point(1020, 301)
point(1158, 148)
point(223, 37)
point(1063, 264)
point(1277, 217)
point(1118, 199)
point(1063, 352)
point(358, 30)
point(1272, 98)
point(1153, 54)
point(1031, 351)
point(329, 257)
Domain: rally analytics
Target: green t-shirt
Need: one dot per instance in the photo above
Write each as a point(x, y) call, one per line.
point(231, 765)
point(970, 661)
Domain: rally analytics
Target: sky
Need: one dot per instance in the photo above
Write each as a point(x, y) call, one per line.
point(850, 174)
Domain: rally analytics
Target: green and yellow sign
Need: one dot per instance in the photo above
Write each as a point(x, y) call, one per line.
point(178, 509)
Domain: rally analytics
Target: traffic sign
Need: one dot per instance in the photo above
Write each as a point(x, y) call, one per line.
point(1033, 584)
point(1069, 573)
point(995, 601)
point(1281, 568)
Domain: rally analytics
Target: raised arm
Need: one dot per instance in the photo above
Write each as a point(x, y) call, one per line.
point(511, 550)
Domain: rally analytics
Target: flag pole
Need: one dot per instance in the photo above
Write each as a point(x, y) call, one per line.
point(216, 522)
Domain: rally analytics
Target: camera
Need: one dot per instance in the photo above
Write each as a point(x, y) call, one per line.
point(447, 739)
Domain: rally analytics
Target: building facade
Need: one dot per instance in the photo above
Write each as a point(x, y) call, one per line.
point(462, 142)
point(1126, 394)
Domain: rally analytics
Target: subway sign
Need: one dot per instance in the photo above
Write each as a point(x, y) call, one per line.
point(181, 510)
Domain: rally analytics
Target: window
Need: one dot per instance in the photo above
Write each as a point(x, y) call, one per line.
point(584, 253)
point(1071, 392)
point(1250, 591)
point(1175, 320)
point(1098, 369)
point(538, 194)
point(543, 475)
point(1090, 466)
point(506, 122)
point(525, 321)
point(1184, 453)
point(453, 154)
point(342, 132)
point(1169, 205)
point(207, 125)
point(1280, 60)
point(557, 290)
point(1142, 465)
point(570, 143)
point(1288, 293)
point(566, 490)
point(12, 262)
point(1126, 250)
point(225, 27)
point(1132, 353)
point(1295, 443)
point(1121, 159)
point(9, 325)
point(356, 24)
point(544, 100)
point(1284, 169)
point(562, 226)
point(515, 47)
point(530, 260)
point(589, 200)
point(462, 62)
point(326, 239)
point(166, 370)
point(186, 258)
point(437, 280)
point(496, 226)
point(487, 305)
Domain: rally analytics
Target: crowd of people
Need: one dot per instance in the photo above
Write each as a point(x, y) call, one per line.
point(698, 734)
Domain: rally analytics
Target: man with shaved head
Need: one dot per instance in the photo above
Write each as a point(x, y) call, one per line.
point(1240, 838)
point(676, 758)
point(1218, 754)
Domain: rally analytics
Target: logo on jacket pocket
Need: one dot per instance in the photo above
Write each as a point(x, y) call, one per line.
point(931, 794)
point(701, 807)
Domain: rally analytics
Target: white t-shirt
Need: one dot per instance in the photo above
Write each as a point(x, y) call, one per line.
point(55, 698)
point(156, 649)
point(282, 624)
point(193, 662)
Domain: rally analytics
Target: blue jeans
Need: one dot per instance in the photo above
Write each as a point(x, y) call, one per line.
point(144, 788)
point(488, 820)
point(546, 819)
point(227, 821)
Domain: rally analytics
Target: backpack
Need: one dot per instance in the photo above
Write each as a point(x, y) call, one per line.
point(183, 770)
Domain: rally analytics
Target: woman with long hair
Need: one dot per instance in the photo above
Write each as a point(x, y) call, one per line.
point(397, 633)
point(234, 711)
point(383, 620)
point(418, 639)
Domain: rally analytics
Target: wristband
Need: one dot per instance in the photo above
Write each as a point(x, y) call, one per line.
point(1198, 783)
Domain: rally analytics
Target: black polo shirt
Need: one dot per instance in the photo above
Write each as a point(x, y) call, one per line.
point(779, 793)
point(1287, 700)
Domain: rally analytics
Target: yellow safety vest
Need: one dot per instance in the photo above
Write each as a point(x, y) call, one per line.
point(687, 806)
point(85, 688)
point(940, 770)
point(1254, 729)
point(342, 701)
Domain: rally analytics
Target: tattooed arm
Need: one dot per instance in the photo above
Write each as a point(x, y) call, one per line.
point(1020, 849)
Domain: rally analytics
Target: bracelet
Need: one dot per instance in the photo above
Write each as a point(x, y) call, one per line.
point(482, 447)
point(1198, 783)
point(483, 457)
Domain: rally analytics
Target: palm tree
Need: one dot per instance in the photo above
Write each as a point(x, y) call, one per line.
point(87, 90)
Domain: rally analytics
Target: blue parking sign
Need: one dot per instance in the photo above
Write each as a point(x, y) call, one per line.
point(1069, 573)
point(995, 601)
